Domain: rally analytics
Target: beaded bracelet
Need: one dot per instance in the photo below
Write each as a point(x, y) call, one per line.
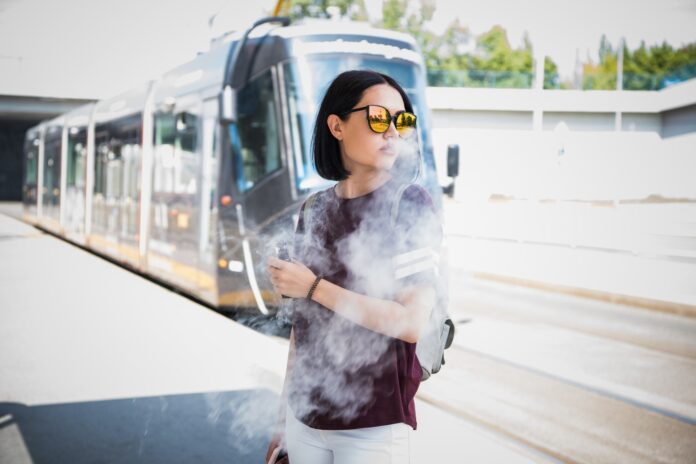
point(314, 286)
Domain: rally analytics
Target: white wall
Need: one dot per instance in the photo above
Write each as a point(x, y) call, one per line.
point(474, 119)
point(579, 121)
point(568, 165)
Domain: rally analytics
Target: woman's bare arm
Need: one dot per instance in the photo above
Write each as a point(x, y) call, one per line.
point(403, 319)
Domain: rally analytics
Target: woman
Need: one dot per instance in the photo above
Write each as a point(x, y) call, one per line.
point(363, 290)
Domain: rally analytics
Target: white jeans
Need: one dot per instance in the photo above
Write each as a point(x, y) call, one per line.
point(387, 444)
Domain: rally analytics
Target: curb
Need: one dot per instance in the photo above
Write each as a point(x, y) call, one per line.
point(668, 307)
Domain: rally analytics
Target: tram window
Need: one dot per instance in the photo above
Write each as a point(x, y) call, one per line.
point(186, 125)
point(175, 153)
point(165, 129)
point(31, 162)
point(52, 161)
point(112, 140)
point(258, 133)
point(306, 81)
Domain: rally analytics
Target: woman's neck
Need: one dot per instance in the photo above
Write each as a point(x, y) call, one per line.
point(356, 186)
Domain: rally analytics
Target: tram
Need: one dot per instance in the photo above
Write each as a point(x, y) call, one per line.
point(188, 178)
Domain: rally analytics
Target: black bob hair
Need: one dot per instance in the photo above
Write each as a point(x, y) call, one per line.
point(343, 94)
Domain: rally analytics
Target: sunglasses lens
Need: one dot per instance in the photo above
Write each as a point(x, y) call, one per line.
point(406, 124)
point(379, 119)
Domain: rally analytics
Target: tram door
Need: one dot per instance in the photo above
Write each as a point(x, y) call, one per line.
point(116, 187)
point(261, 172)
point(174, 222)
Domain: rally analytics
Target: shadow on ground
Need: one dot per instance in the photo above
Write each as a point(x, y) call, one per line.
point(218, 427)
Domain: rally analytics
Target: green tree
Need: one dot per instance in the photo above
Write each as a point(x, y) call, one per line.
point(393, 14)
point(496, 64)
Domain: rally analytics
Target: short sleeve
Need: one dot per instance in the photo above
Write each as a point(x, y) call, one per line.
point(299, 231)
point(417, 240)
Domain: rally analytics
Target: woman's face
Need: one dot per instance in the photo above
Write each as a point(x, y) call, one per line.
point(361, 148)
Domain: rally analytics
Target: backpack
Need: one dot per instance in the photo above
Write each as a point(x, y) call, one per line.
point(439, 331)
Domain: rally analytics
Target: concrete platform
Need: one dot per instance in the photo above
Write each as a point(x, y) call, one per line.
point(101, 365)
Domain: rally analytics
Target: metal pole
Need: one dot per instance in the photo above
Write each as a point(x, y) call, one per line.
point(539, 57)
point(619, 80)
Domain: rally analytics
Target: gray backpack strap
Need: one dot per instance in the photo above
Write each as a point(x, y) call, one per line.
point(308, 208)
point(397, 200)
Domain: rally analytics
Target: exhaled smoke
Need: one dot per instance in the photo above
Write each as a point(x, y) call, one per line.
point(247, 415)
point(407, 167)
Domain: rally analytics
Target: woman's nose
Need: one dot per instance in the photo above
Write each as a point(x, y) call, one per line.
point(391, 130)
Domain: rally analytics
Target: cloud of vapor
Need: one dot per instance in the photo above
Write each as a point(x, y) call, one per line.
point(246, 415)
point(408, 166)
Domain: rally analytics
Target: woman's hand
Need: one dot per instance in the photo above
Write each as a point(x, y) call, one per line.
point(290, 278)
point(276, 441)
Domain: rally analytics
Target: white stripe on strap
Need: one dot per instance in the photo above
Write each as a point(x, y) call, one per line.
point(412, 255)
point(418, 266)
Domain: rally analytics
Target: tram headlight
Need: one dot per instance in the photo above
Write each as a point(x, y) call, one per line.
point(232, 265)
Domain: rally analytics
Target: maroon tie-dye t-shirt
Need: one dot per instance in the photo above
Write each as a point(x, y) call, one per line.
point(346, 376)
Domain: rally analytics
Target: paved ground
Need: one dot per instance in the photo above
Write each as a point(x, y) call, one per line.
point(100, 365)
point(130, 372)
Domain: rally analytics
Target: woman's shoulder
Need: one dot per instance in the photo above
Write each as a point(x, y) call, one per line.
point(416, 195)
point(315, 201)
point(415, 206)
point(315, 196)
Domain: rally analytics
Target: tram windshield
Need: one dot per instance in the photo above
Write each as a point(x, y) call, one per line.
point(306, 81)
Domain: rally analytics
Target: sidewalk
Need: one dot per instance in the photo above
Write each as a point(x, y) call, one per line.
point(100, 365)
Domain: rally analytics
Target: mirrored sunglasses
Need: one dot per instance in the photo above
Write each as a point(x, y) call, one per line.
point(379, 118)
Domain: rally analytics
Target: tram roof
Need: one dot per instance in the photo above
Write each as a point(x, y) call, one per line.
point(311, 27)
point(79, 116)
point(129, 102)
point(205, 73)
point(309, 36)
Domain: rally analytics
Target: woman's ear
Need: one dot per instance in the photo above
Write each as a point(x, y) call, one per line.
point(335, 126)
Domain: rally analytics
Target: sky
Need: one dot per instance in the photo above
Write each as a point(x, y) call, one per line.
point(98, 48)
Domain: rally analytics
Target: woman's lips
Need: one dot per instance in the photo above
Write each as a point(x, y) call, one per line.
point(388, 150)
